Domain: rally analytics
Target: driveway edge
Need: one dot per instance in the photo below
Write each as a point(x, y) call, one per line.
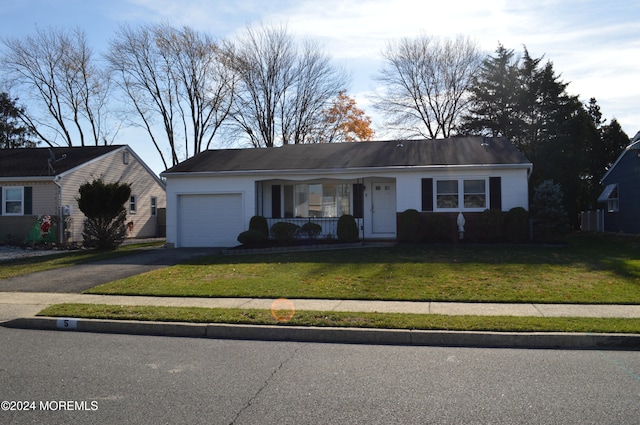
point(541, 340)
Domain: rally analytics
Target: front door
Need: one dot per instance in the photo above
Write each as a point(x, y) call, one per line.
point(383, 208)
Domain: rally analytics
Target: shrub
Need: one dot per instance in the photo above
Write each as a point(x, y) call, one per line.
point(251, 237)
point(259, 223)
point(347, 229)
point(284, 232)
point(438, 228)
point(312, 230)
point(490, 225)
point(516, 225)
point(103, 207)
point(410, 228)
point(548, 209)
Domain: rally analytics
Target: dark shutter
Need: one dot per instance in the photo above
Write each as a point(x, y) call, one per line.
point(427, 194)
point(28, 200)
point(358, 200)
point(495, 189)
point(1, 206)
point(276, 196)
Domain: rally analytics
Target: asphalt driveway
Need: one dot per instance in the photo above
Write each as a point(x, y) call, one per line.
point(75, 279)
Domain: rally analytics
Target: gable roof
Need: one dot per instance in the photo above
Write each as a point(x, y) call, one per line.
point(463, 151)
point(634, 145)
point(34, 162)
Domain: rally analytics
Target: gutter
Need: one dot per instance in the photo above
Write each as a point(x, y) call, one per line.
point(528, 166)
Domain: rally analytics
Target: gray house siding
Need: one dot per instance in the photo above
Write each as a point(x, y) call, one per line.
point(626, 174)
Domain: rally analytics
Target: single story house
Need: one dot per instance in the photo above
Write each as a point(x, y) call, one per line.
point(621, 193)
point(212, 196)
point(39, 187)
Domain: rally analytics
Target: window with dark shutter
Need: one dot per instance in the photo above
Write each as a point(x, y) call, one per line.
point(427, 194)
point(28, 200)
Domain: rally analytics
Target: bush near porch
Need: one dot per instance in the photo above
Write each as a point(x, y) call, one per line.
point(488, 226)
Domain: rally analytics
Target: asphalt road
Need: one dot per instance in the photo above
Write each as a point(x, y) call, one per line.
point(76, 279)
point(163, 380)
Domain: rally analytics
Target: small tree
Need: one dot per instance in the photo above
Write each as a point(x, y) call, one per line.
point(548, 208)
point(103, 205)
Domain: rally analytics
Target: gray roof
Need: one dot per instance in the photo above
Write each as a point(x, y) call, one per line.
point(34, 162)
point(342, 156)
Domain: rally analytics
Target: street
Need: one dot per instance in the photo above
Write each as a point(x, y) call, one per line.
point(66, 377)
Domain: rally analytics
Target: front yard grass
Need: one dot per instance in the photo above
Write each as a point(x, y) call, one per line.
point(588, 269)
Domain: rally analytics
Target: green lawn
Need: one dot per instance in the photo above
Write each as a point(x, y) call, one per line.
point(345, 319)
point(588, 269)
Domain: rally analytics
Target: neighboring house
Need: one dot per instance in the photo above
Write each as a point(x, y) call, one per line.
point(621, 194)
point(40, 185)
point(212, 196)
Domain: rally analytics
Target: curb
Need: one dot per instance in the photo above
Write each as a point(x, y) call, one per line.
point(410, 337)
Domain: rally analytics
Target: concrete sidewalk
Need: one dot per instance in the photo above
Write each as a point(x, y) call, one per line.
point(40, 300)
point(19, 309)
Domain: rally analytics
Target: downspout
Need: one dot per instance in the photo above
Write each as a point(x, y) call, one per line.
point(59, 208)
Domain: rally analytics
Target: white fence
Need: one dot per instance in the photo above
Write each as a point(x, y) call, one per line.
point(592, 221)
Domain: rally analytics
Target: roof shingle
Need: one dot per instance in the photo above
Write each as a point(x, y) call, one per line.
point(333, 156)
point(34, 162)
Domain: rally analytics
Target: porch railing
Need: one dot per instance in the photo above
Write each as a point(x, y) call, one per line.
point(329, 225)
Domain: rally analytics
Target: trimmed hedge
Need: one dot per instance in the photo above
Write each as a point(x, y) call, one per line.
point(487, 226)
point(251, 237)
point(284, 232)
point(311, 230)
point(347, 229)
point(259, 223)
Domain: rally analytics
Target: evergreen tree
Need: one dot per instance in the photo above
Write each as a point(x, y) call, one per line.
point(13, 134)
point(494, 98)
point(103, 205)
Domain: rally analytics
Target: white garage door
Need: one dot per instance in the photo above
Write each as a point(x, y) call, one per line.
point(209, 220)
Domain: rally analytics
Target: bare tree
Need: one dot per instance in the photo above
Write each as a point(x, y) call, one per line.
point(425, 84)
point(177, 77)
point(55, 71)
point(282, 87)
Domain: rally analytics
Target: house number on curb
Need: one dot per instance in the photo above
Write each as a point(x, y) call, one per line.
point(67, 323)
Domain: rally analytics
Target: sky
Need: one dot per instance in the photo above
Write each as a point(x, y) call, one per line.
point(593, 45)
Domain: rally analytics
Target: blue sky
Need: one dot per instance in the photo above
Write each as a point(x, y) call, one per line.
point(594, 45)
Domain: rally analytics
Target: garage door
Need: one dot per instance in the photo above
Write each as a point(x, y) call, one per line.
point(209, 220)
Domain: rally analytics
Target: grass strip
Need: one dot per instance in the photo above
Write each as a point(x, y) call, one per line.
point(346, 319)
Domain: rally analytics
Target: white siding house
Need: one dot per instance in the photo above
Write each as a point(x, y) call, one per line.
point(212, 196)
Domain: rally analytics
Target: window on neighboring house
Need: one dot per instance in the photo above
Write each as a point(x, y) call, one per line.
point(125, 157)
point(154, 206)
point(321, 200)
point(611, 196)
point(133, 204)
point(13, 200)
point(471, 194)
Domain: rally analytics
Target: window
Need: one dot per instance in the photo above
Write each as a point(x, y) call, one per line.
point(475, 194)
point(463, 194)
point(321, 200)
point(13, 200)
point(154, 206)
point(611, 197)
point(125, 157)
point(447, 194)
point(133, 204)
